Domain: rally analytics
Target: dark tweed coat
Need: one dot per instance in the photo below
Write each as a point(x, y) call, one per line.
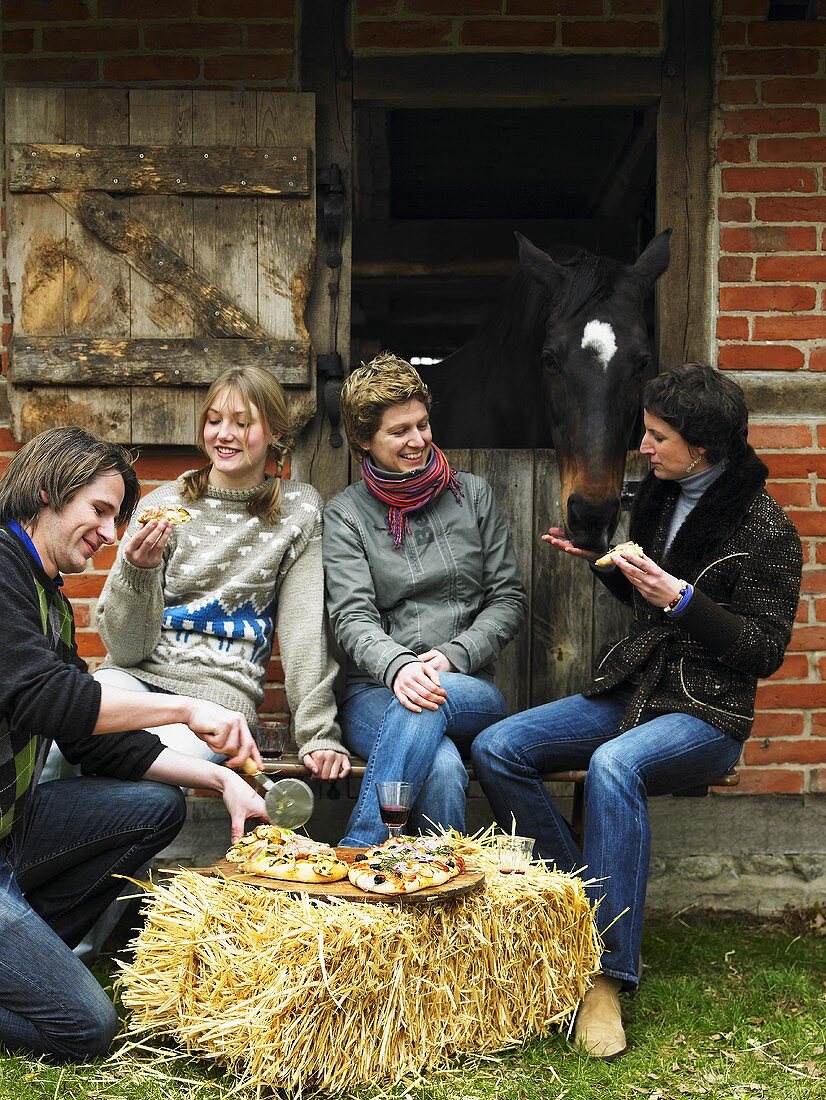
point(743, 555)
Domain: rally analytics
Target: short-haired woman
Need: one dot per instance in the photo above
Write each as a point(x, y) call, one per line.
point(423, 593)
point(714, 598)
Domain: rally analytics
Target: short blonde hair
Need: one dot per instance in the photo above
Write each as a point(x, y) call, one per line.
point(253, 386)
point(373, 387)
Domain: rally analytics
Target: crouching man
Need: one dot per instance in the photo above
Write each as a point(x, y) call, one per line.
point(61, 842)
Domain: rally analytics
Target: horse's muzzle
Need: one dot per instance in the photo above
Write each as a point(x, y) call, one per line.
point(591, 525)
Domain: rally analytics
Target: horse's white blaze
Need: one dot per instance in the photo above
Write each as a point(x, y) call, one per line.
point(599, 336)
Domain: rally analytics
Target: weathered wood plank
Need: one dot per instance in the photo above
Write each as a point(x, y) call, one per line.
point(37, 228)
point(179, 362)
point(684, 200)
point(460, 458)
point(36, 247)
point(286, 236)
point(160, 170)
point(97, 279)
point(162, 415)
point(96, 287)
point(225, 239)
point(148, 254)
point(42, 271)
point(40, 407)
point(562, 597)
point(510, 474)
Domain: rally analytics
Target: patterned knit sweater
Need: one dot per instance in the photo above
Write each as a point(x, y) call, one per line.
point(202, 623)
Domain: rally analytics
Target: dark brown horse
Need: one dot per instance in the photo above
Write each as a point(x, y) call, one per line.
point(560, 364)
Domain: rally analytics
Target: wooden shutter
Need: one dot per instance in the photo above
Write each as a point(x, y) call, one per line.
point(155, 237)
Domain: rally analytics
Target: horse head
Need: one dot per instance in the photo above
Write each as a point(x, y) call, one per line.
point(595, 359)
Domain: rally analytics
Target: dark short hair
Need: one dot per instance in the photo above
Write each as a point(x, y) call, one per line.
point(60, 462)
point(705, 406)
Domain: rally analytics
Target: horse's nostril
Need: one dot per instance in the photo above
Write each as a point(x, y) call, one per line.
point(591, 524)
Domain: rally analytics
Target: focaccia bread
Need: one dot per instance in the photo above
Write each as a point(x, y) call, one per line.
point(631, 548)
point(170, 514)
point(280, 853)
point(404, 865)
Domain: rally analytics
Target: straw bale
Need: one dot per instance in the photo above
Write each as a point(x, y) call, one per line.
point(301, 993)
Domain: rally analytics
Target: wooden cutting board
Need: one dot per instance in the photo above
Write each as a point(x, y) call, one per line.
point(463, 884)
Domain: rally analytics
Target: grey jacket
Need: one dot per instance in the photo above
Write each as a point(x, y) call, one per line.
point(454, 585)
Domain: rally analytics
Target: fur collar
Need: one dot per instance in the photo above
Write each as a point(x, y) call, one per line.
point(711, 523)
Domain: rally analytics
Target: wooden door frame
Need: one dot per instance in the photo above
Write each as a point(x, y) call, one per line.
point(680, 81)
point(326, 70)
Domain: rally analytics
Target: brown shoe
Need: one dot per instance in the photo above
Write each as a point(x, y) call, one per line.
point(598, 1029)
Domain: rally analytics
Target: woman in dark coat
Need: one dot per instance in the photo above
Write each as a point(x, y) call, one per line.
point(714, 598)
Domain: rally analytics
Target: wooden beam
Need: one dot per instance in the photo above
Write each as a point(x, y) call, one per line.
point(162, 266)
point(160, 169)
point(515, 80)
point(67, 361)
point(325, 68)
point(684, 191)
point(468, 248)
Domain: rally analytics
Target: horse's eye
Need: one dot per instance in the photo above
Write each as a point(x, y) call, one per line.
point(550, 359)
point(642, 364)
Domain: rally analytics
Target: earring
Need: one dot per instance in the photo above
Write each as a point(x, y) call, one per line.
point(691, 465)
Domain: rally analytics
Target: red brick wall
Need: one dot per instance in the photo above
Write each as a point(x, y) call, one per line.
point(771, 206)
point(547, 26)
point(168, 43)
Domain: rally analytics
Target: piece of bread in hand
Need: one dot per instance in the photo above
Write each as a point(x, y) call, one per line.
point(632, 548)
point(170, 515)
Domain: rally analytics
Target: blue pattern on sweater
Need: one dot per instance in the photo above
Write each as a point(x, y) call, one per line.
point(213, 620)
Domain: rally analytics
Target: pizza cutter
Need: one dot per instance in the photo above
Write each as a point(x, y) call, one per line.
point(290, 802)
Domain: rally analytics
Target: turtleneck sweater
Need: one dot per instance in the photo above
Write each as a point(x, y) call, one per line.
point(691, 489)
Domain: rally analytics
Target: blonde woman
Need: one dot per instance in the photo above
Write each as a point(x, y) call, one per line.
point(193, 608)
point(423, 592)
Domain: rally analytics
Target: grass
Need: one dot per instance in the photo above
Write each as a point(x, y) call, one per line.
point(729, 1009)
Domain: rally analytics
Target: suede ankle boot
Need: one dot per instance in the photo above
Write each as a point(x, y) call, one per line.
point(598, 1029)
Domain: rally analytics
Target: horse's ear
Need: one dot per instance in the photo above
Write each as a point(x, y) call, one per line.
point(538, 264)
point(654, 259)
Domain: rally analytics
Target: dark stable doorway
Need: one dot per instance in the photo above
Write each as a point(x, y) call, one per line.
point(439, 193)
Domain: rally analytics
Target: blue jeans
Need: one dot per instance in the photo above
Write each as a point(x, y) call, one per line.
point(422, 749)
point(664, 754)
point(55, 880)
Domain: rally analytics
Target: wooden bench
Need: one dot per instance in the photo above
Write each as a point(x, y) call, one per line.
point(290, 765)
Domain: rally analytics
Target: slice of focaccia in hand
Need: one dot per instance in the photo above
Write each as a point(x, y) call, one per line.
point(631, 548)
point(170, 514)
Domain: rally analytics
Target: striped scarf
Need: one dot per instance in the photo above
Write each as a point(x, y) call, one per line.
point(405, 495)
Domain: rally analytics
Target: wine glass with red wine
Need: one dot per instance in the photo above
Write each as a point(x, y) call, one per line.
point(395, 800)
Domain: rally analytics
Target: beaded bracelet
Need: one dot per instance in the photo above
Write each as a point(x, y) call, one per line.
point(676, 607)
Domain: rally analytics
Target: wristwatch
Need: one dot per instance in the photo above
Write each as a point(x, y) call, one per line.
point(683, 586)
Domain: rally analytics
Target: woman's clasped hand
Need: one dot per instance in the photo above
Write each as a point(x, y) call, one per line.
point(418, 687)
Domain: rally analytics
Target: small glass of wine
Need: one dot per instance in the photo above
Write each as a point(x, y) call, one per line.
point(395, 800)
point(272, 738)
